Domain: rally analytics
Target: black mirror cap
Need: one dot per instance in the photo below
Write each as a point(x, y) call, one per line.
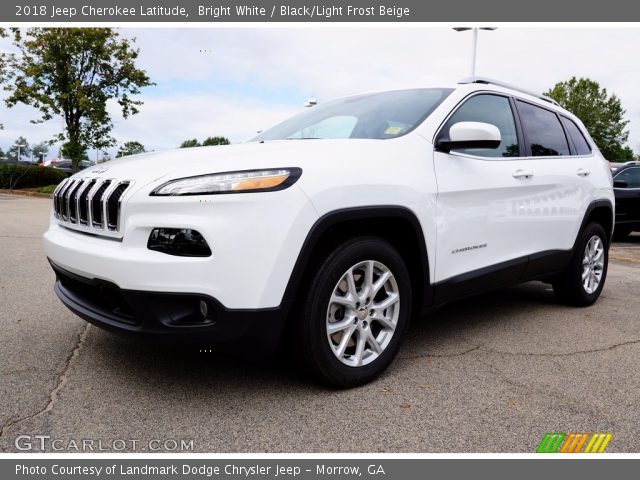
point(620, 184)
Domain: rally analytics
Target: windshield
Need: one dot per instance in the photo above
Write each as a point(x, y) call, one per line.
point(378, 115)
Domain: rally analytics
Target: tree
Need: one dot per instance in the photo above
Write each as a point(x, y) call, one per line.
point(1, 155)
point(25, 151)
point(72, 73)
point(215, 141)
point(600, 112)
point(40, 150)
point(130, 148)
point(69, 151)
point(190, 143)
point(3, 61)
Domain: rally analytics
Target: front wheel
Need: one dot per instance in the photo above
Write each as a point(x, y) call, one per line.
point(355, 313)
point(583, 281)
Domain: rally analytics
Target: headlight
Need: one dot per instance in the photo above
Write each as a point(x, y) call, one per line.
point(231, 182)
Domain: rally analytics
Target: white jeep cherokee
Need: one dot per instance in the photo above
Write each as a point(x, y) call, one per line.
point(339, 225)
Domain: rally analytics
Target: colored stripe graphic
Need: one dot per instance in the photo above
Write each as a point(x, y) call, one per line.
point(551, 442)
point(580, 443)
point(598, 443)
point(573, 442)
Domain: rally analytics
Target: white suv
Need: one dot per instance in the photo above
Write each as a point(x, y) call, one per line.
point(338, 225)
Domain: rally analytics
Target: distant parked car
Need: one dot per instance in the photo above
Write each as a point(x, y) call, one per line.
point(615, 166)
point(626, 188)
point(67, 166)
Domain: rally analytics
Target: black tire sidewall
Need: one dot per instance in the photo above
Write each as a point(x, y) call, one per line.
point(583, 298)
point(314, 335)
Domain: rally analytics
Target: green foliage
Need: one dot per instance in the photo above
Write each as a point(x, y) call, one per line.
point(190, 143)
point(130, 148)
point(40, 150)
point(28, 176)
point(71, 150)
point(3, 61)
point(600, 112)
point(25, 152)
point(71, 73)
point(215, 141)
point(47, 189)
point(207, 142)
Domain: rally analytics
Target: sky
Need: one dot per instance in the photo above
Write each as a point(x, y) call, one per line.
point(235, 81)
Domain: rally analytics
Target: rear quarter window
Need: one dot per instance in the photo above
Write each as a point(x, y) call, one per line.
point(579, 142)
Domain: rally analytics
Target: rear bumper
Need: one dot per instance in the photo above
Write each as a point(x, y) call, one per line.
point(175, 317)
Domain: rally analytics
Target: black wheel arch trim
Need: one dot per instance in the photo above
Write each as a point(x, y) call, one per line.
point(600, 203)
point(330, 219)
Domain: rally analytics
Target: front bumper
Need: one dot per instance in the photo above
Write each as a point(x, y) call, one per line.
point(177, 317)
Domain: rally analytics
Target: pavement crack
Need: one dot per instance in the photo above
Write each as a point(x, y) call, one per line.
point(62, 381)
point(565, 354)
point(447, 355)
point(483, 349)
point(577, 407)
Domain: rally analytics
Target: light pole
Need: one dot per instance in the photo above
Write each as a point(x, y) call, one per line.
point(19, 145)
point(475, 43)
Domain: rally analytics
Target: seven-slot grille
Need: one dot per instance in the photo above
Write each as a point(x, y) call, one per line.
point(90, 204)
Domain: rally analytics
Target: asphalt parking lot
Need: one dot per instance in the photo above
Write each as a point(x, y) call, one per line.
point(491, 374)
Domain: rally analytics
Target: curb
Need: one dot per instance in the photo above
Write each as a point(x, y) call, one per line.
point(25, 193)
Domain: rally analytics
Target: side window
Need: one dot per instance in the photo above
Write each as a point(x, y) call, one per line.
point(582, 147)
point(630, 176)
point(543, 132)
point(492, 109)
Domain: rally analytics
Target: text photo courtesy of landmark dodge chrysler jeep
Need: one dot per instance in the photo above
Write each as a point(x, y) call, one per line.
point(338, 225)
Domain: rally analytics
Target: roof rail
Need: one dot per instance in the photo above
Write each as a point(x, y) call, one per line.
point(498, 83)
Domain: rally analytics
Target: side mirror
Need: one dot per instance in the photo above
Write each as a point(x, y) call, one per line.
point(469, 135)
point(620, 184)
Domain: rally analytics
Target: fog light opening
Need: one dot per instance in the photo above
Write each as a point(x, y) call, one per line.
point(182, 242)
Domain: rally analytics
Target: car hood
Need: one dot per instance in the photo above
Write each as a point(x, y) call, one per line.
point(155, 166)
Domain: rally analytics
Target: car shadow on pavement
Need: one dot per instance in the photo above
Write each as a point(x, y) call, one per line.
point(195, 367)
point(632, 239)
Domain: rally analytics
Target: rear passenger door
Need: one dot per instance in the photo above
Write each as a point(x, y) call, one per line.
point(560, 162)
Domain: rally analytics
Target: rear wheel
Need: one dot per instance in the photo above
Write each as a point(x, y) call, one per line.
point(355, 312)
point(583, 281)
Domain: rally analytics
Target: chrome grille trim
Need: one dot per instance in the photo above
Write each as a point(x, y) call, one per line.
point(83, 204)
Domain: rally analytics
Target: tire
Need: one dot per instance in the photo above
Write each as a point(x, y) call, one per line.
point(590, 258)
point(621, 233)
point(342, 339)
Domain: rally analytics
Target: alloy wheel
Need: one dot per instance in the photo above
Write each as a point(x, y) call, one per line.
point(592, 264)
point(363, 313)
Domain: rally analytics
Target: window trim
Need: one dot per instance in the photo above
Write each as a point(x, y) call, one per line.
point(519, 130)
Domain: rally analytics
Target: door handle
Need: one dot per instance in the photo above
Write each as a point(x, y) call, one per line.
point(583, 173)
point(522, 174)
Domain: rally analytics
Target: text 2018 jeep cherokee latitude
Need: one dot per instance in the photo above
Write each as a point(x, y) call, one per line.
point(339, 224)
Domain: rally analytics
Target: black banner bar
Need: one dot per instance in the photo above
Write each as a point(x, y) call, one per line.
point(288, 469)
point(204, 11)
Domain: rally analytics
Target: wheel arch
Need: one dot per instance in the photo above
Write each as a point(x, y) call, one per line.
point(600, 211)
point(405, 234)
